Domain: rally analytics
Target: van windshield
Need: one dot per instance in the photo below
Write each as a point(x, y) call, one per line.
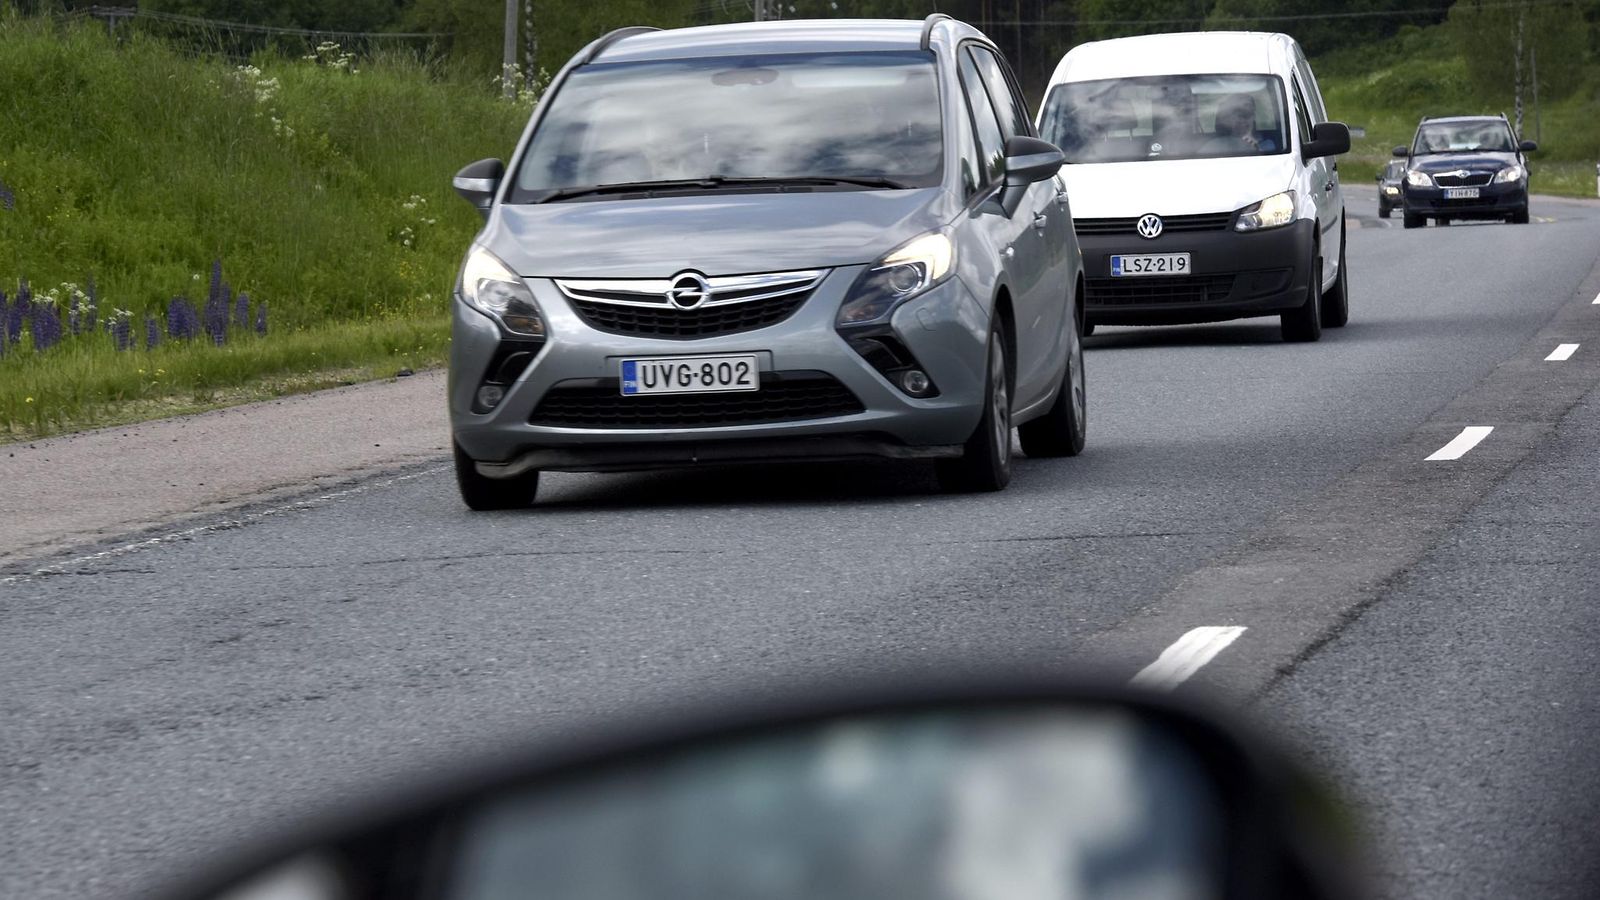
point(1166, 117)
point(872, 117)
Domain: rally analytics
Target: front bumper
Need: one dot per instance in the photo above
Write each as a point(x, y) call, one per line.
point(1234, 276)
point(946, 329)
point(1494, 201)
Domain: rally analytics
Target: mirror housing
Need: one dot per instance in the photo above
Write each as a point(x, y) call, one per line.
point(1327, 139)
point(478, 182)
point(1528, 146)
point(1402, 151)
point(1030, 160)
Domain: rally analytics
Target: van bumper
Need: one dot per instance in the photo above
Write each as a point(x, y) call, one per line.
point(1232, 276)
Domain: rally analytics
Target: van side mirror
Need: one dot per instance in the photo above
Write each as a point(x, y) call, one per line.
point(1327, 139)
point(478, 182)
point(1402, 151)
point(1528, 146)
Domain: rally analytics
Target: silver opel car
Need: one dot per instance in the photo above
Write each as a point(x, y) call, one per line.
point(766, 242)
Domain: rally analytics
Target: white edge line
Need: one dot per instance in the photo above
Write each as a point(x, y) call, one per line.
point(1561, 353)
point(1187, 656)
point(1461, 443)
point(62, 568)
point(1596, 300)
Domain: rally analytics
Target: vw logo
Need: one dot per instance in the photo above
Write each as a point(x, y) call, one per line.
point(688, 290)
point(1149, 226)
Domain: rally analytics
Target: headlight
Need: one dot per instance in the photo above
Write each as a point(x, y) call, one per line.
point(1418, 179)
point(1510, 174)
point(919, 264)
point(488, 285)
point(1273, 212)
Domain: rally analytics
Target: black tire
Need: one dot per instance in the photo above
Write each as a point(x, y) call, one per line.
point(1304, 325)
point(1064, 429)
point(1336, 302)
point(1520, 217)
point(483, 494)
point(1383, 212)
point(1414, 221)
point(985, 461)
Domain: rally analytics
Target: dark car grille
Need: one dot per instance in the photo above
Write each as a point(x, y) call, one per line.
point(786, 398)
point(1475, 179)
point(669, 322)
point(730, 303)
point(1156, 291)
point(1206, 222)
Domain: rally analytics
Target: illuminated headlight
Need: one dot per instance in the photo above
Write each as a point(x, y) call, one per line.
point(917, 265)
point(1510, 174)
point(1418, 179)
point(489, 286)
point(1391, 189)
point(1273, 212)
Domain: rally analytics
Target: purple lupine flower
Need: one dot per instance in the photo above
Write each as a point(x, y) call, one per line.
point(216, 316)
point(94, 305)
point(4, 312)
point(214, 290)
point(241, 311)
point(261, 318)
point(183, 320)
point(45, 323)
point(152, 332)
point(72, 317)
point(15, 315)
point(122, 332)
point(8, 200)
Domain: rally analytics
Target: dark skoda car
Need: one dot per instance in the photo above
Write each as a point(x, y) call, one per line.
point(1465, 167)
point(769, 241)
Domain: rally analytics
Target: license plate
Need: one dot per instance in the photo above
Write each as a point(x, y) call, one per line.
point(690, 375)
point(1150, 264)
point(1461, 193)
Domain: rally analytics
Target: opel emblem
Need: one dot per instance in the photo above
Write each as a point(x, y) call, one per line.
point(1150, 226)
point(689, 290)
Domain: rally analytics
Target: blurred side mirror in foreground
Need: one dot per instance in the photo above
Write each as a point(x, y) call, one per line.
point(1022, 792)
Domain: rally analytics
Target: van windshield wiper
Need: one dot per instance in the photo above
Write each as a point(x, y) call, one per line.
point(717, 182)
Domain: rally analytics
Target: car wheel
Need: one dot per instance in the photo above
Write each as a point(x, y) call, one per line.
point(1063, 430)
point(1304, 325)
point(1383, 212)
point(1336, 302)
point(1414, 221)
point(985, 460)
point(480, 493)
point(1520, 217)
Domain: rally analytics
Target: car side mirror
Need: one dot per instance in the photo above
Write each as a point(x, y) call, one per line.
point(1402, 152)
point(1528, 146)
point(478, 182)
point(1327, 139)
point(1030, 160)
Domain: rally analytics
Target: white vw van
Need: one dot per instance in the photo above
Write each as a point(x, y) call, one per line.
point(1201, 180)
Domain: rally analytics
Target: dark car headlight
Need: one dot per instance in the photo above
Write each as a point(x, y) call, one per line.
point(911, 269)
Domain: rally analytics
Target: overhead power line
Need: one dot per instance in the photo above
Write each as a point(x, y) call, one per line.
point(119, 12)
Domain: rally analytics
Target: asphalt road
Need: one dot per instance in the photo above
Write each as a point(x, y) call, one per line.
point(1422, 630)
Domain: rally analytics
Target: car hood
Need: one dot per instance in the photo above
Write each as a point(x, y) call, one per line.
point(1174, 187)
point(1472, 162)
point(717, 234)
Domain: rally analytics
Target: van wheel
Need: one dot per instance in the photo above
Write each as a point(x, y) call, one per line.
point(1304, 325)
point(985, 460)
point(482, 494)
point(1063, 430)
point(1336, 302)
point(1414, 221)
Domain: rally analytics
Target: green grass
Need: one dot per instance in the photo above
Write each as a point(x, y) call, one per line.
point(140, 166)
point(1386, 87)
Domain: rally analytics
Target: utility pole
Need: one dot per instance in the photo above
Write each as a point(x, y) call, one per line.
point(1538, 122)
point(509, 64)
point(530, 44)
point(1522, 14)
point(761, 10)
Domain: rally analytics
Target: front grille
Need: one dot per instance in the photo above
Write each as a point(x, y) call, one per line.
point(1472, 179)
point(1157, 291)
point(783, 398)
point(1203, 222)
point(732, 304)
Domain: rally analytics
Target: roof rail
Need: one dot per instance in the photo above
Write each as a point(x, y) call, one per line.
point(927, 28)
point(611, 37)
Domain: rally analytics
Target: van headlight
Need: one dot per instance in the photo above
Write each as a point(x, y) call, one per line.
point(1418, 179)
point(914, 267)
point(489, 286)
point(1273, 212)
point(1510, 174)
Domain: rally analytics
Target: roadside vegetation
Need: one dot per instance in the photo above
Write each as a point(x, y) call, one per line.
point(320, 185)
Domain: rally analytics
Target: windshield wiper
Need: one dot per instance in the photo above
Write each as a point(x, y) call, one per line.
point(716, 182)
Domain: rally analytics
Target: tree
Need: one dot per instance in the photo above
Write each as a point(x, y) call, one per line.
point(1500, 42)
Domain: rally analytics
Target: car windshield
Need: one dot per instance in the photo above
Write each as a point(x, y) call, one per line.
point(864, 116)
point(1167, 117)
point(1463, 137)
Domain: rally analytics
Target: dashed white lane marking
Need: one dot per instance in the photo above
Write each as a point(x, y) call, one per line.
point(1466, 440)
point(1597, 300)
point(1562, 352)
point(187, 533)
point(1185, 657)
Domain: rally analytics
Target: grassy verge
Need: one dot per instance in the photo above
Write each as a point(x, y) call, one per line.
point(323, 191)
point(1386, 87)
